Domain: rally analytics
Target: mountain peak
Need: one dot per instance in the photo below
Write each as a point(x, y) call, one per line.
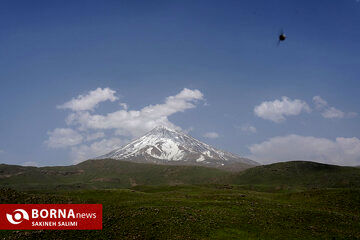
point(163, 128)
point(163, 145)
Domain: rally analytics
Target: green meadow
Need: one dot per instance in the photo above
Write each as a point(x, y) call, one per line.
point(220, 205)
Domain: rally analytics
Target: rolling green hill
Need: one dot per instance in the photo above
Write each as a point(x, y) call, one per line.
point(107, 173)
point(180, 202)
point(299, 174)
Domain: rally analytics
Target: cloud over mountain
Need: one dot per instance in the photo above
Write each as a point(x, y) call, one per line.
point(90, 100)
point(120, 125)
point(63, 137)
point(86, 151)
point(137, 122)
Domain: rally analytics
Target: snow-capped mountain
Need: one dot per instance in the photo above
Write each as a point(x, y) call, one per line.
point(163, 145)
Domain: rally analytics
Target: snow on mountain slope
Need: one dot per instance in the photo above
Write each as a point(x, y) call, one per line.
point(168, 146)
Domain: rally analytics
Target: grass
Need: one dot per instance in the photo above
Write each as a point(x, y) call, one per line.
point(206, 212)
point(293, 200)
point(299, 174)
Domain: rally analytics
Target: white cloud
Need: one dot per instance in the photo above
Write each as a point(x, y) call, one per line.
point(30, 164)
point(84, 152)
point(248, 128)
point(90, 100)
point(137, 122)
point(278, 110)
point(342, 151)
point(330, 112)
point(319, 102)
point(63, 137)
point(123, 124)
point(211, 135)
point(124, 105)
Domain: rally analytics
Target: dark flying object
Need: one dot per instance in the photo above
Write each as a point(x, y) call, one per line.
point(282, 37)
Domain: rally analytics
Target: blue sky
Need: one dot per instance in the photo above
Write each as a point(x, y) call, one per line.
point(142, 52)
